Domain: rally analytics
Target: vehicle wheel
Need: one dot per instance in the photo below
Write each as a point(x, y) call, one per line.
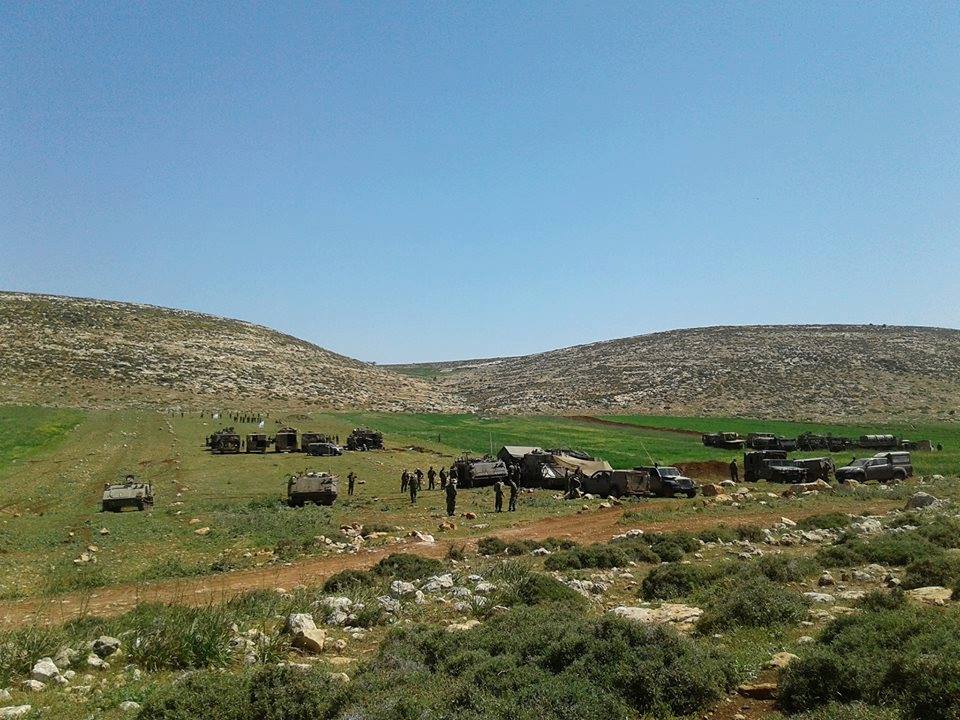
point(691, 493)
point(899, 476)
point(140, 506)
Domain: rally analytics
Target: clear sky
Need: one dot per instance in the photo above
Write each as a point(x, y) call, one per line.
point(422, 181)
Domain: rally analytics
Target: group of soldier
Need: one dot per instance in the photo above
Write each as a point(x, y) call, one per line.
point(412, 482)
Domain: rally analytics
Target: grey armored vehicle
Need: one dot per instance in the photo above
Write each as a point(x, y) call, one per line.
point(128, 494)
point(472, 472)
point(257, 442)
point(311, 486)
point(286, 440)
point(323, 448)
point(883, 467)
point(365, 439)
point(309, 438)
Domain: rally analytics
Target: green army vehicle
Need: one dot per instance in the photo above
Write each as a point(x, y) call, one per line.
point(258, 442)
point(286, 440)
point(365, 439)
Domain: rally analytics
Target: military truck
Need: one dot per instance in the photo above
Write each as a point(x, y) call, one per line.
point(257, 442)
point(818, 468)
point(480, 472)
point(365, 439)
point(308, 438)
point(311, 486)
point(723, 440)
point(668, 482)
point(127, 494)
point(753, 463)
point(766, 441)
point(225, 442)
point(324, 449)
point(286, 440)
point(882, 467)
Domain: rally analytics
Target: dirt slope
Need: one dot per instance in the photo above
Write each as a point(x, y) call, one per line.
point(815, 372)
point(93, 353)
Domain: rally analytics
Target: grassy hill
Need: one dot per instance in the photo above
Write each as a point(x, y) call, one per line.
point(92, 353)
point(810, 372)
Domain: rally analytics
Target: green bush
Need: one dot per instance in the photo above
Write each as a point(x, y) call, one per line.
point(407, 566)
point(888, 549)
point(173, 637)
point(496, 546)
point(720, 533)
point(20, 649)
point(938, 570)
point(284, 693)
point(853, 711)
point(825, 521)
point(877, 600)
point(637, 549)
point(907, 657)
point(786, 568)
point(600, 555)
point(750, 532)
point(348, 580)
point(533, 588)
point(748, 600)
point(206, 694)
point(675, 579)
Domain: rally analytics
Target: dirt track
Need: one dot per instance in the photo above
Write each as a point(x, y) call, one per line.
point(593, 526)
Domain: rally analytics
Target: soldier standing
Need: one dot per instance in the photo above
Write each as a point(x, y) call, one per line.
point(513, 494)
point(351, 479)
point(431, 478)
point(451, 490)
point(419, 473)
point(404, 481)
point(414, 487)
point(498, 496)
point(734, 473)
point(443, 477)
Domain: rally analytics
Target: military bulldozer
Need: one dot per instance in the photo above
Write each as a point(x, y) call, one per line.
point(286, 440)
point(224, 442)
point(127, 494)
point(365, 439)
point(313, 487)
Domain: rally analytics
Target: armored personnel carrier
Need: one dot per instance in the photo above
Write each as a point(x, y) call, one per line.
point(309, 438)
point(365, 439)
point(128, 494)
point(258, 442)
point(224, 442)
point(724, 440)
point(286, 440)
point(311, 486)
point(473, 472)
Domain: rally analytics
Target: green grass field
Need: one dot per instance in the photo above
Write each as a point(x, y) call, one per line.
point(54, 464)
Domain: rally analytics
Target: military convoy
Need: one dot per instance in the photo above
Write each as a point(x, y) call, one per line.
point(258, 442)
point(310, 486)
point(128, 494)
point(724, 440)
point(290, 440)
point(224, 442)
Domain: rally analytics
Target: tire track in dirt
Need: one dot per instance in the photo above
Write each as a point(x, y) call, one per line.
point(592, 526)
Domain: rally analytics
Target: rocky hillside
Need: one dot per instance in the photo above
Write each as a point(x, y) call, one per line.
point(817, 372)
point(92, 353)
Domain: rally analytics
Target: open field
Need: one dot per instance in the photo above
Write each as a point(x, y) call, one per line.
point(54, 463)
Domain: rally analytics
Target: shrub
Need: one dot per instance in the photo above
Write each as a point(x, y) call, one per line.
point(348, 580)
point(907, 656)
point(750, 532)
point(942, 530)
point(720, 533)
point(173, 637)
point(749, 600)
point(206, 694)
point(526, 587)
point(457, 552)
point(406, 566)
point(637, 549)
point(19, 649)
point(877, 600)
point(600, 555)
point(283, 693)
point(786, 568)
point(853, 711)
point(938, 570)
point(825, 521)
point(675, 579)
point(888, 549)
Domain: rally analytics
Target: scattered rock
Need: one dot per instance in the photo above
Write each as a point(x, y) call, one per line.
point(816, 597)
point(682, 616)
point(402, 587)
point(759, 691)
point(933, 595)
point(130, 706)
point(15, 711)
point(33, 685)
point(96, 662)
point(922, 500)
point(466, 625)
point(710, 490)
point(339, 677)
point(202, 531)
point(44, 670)
point(781, 659)
point(105, 646)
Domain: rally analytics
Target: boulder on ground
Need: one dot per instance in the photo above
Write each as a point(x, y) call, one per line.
point(105, 646)
point(44, 670)
point(933, 594)
point(781, 659)
point(922, 500)
point(15, 711)
point(683, 617)
point(710, 490)
point(758, 691)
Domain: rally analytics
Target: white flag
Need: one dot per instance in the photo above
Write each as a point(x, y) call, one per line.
point(260, 425)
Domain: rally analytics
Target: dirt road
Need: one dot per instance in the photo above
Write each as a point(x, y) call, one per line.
point(592, 526)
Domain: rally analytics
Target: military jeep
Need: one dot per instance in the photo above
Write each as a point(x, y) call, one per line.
point(311, 486)
point(668, 482)
point(128, 494)
point(723, 440)
point(365, 439)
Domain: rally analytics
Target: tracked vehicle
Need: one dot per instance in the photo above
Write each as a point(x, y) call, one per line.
point(128, 494)
point(225, 442)
point(286, 440)
point(365, 439)
point(313, 487)
point(258, 442)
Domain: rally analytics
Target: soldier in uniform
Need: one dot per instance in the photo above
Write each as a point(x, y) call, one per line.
point(734, 473)
point(351, 479)
point(513, 494)
point(451, 490)
point(443, 477)
point(404, 481)
point(498, 496)
point(419, 473)
point(414, 487)
point(431, 478)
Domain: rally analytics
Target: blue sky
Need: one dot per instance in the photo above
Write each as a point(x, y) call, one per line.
point(421, 181)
